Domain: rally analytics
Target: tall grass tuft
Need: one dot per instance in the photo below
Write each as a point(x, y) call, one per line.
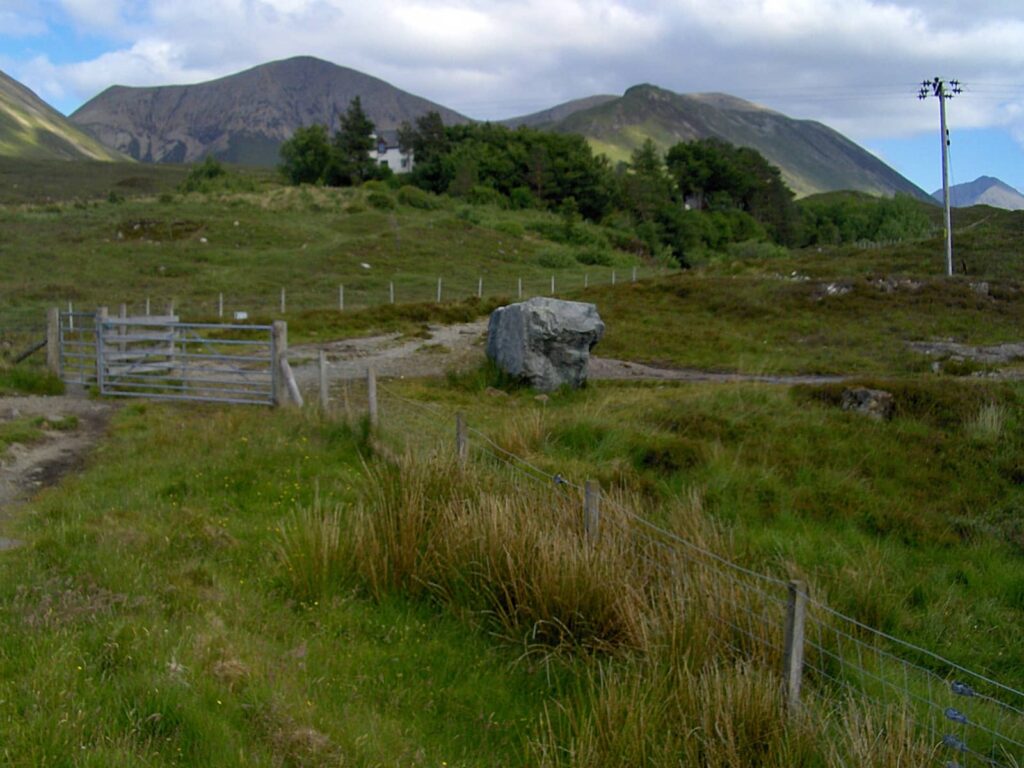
point(313, 553)
point(681, 659)
point(988, 424)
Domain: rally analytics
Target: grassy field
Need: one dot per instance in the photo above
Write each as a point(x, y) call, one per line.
point(249, 246)
point(244, 587)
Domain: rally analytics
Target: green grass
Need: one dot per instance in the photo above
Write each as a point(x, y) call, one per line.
point(29, 380)
point(251, 245)
point(243, 587)
point(150, 620)
point(911, 526)
point(777, 324)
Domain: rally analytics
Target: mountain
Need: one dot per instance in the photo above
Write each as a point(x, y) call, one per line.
point(31, 128)
point(984, 190)
point(555, 114)
point(245, 117)
point(812, 157)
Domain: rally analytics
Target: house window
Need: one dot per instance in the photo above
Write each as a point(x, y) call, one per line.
point(382, 148)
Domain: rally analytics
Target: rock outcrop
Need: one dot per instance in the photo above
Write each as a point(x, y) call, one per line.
point(545, 342)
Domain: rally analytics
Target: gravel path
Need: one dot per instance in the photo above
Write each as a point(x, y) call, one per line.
point(450, 347)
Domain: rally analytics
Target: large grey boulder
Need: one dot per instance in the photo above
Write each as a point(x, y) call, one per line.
point(545, 342)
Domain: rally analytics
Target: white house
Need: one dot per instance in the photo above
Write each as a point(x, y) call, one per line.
point(387, 152)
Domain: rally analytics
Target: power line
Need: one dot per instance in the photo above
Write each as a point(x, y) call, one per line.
point(937, 88)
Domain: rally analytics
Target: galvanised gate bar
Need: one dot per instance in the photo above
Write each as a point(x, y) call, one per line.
point(169, 360)
point(159, 357)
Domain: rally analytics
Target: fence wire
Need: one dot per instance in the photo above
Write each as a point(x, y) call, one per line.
point(969, 719)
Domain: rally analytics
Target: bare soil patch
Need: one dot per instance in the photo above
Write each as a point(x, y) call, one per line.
point(25, 469)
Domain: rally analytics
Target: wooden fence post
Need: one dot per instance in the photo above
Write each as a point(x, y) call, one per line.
point(341, 298)
point(323, 380)
point(793, 649)
point(461, 438)
point(371, 395)
point(220, 305)
point(53, 341)
point(147, 307)
point(613, 277)
point(71, 317)
point(279, 334)
point(586, 280)
point(391, 292)
point(479, 287)
point(634, 274)
point(283, 305)
point(520, 287)
point(439, 290)
point(592, 510)
point(552, 285)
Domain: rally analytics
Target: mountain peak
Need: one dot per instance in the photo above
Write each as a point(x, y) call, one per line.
point(244, 117)
point(984, 190)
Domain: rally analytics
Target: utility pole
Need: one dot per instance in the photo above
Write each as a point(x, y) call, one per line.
point(937, 88)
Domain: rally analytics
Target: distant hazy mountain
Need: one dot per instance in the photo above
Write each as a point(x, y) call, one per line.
point(812, 157)
point(245, 117)
point(31, 128)
point(984, 190)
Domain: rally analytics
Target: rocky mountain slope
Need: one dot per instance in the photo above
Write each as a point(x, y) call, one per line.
point(985, 190)
point(812, 157)
point(30, 128)
point(244, 117)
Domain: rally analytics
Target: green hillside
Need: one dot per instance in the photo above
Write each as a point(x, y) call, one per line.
point(289, 587)
point(31, 129)
point(812, 157)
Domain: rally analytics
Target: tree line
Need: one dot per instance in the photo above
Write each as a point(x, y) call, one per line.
point(699, 196)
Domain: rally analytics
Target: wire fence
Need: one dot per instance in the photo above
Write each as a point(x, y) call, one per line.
point(965, 717)
point(341, 294)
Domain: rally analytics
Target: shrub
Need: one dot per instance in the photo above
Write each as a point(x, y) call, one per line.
point(555, 258)
point(756, 249)
point(414, 197)
point(481, 195)
point(512, 228)
point(381, 201)
point(595, 255)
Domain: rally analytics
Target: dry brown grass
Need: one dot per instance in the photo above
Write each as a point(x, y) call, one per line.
point(683, 654)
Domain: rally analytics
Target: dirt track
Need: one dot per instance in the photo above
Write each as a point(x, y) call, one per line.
point(460, 346)
point(24, 469)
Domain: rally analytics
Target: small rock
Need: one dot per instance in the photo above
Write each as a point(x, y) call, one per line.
point(876, 404)
point(203, 240)
point(492, 392)
point(982, 288)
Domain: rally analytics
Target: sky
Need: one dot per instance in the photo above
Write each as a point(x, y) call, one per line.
point(855, 65)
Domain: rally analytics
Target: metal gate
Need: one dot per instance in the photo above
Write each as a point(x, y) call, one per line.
point(77, 336)
point(165, 359)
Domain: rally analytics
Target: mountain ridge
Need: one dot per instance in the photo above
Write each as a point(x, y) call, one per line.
point(245, 116)
point(31, 128)
point(812, 157)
